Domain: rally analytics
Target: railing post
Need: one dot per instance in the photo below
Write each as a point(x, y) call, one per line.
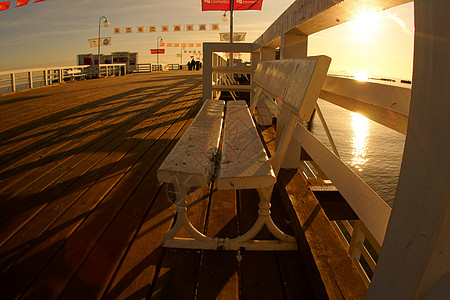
point(293, 44)
point(45, 77)
point(60, 72)
point(357, 238)
point(30, 79)
point(13, 82)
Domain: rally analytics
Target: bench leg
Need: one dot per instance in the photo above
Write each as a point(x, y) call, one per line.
point(284, 242)
point(197, 240)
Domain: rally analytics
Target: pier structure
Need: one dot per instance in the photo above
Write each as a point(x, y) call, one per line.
point(82, 214)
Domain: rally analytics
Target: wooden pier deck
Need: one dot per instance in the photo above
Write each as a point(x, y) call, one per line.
point(83, 216)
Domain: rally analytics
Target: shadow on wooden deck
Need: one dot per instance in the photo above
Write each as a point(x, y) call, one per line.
point(82, 214)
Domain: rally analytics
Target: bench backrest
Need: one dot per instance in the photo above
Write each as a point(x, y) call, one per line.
point(296, 83)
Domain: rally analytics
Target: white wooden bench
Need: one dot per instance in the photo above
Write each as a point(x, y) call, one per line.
point(241, 162)
point(75, 73)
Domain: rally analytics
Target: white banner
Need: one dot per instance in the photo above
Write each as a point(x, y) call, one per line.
point(105, 41)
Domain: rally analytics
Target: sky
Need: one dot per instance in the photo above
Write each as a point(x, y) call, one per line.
point(52, 33)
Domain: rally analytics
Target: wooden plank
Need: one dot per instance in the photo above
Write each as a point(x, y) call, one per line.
point(302, 81)
point(234, 70)
point(191, 162)
point(74, 211)
point(328, 262)
point(83, 99)
point(218, 274)
point(178, 273)
point(41, 155)
point(231, 88)
point(118, 236)
point(22, 174)
point(293, 275)
point(67, 261)
point(136, 272)
point(244, 162)
point(322, 284)
point(34, 203)
point(260, 273)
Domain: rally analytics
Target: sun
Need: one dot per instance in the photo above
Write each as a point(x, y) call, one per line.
point(366, 23)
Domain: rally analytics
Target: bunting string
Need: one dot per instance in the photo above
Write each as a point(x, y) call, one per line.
point(166, 28)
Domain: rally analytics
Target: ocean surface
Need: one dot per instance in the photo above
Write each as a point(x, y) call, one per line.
point(373, 151)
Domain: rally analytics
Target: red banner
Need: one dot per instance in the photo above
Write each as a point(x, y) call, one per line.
point(22, 2)
point(4, 5)
point(224, 5)
point(157, 51)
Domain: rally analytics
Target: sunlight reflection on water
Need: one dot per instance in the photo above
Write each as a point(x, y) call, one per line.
point(368, 148)
point(360, 126)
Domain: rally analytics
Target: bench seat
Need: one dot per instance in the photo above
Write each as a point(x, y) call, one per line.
point(244, 162)
point(192, 160)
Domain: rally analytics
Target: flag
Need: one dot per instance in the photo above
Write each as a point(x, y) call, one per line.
point(169, 45)
point(161, 44)
point(237, 36)
point(106, 41)
point(152, 28)
point(165, 28)
point(176, 45)
point(140, 29)
point(215, 26)
point(183, 44)
point(198, 45)
point(4, 5)
point(22, 2)
point(190, 27)
point(191, 45)
point(128, 29)
point(202, 27)
point(224, 5)
point(116, 30)
point(176, 27)
point(93, 43)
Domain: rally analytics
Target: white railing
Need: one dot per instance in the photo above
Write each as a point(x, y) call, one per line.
point(15, 80)
point(150, 67)
point(107, 70)
point(385, 104)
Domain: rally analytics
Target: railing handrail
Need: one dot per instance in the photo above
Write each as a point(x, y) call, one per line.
point(42, 69)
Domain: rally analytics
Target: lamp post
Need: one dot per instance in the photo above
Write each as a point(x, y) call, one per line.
point(105, 24)
point(181, 60)
point(158, 40)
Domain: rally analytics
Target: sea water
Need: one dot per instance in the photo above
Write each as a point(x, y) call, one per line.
point(374, 152)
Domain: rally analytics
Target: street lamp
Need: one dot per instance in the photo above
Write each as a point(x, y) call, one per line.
point(224, 17)
point(157, 47)
point(105, 24)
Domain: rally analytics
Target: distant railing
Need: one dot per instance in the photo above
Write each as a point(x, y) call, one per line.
point(150, 67)
point(107, 70)
point(16, 80)
point(385, 104)
point(143, 68)
point(174, 66)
